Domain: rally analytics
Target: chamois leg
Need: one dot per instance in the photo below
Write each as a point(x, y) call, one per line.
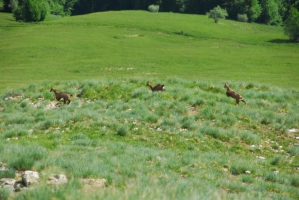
point(243, 101)
point(69, 101)
point(237, 101)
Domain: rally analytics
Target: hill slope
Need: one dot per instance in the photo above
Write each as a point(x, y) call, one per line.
point(188, 142)
point(139, 43)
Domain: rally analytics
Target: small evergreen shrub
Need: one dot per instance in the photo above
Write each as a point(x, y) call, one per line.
point(122, 131)
point(153, 8)
point(242, 18)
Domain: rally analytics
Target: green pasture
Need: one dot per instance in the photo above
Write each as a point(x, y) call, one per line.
point(188, 142)
point(142, 44)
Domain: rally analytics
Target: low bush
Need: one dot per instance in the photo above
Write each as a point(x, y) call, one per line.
point(153, 8)
point(242, 18)
point(122, 131)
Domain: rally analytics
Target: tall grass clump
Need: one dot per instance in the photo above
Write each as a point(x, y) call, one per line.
point(5, 193)
point(7, 173)
point(24, 157)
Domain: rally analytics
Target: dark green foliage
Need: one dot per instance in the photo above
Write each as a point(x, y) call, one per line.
point(122, 131)
point(62, 7)
point(270, 14)
point(6, 5)
point(30, 10)
point(291, 25)
point(251, 8)
point(34, 10)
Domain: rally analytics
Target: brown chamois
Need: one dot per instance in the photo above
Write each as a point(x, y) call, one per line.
point(233, 94)
point(62, 95)
point(159, 87)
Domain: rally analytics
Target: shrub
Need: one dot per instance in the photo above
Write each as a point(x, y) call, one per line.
point(153, 8)
point(218, 13)
point(122, 131)
point(242, 18)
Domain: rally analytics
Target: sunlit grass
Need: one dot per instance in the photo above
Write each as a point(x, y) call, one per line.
point(191, 134)
point(141, 44)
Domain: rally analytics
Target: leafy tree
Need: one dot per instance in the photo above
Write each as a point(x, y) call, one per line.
point(254, 9)
point(291, 25)
point(251, 8)
point(30, 10)
point(62, 7)
point(218, 13)
point(270, 13)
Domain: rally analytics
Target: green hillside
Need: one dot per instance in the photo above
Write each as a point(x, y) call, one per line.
point(143, 44)
point(188, 142)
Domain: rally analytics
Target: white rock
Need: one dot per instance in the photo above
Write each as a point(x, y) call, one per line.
point(261, 157)
point(293, 130)
point(30, 177)
point(247, 172)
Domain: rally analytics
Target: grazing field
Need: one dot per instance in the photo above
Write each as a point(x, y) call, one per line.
point(188, 142)
point(143, 44)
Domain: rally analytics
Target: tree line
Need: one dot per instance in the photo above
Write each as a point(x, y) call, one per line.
point(273, 12)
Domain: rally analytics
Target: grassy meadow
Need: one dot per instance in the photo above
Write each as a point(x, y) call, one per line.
point(189, 142)
point(143, 44)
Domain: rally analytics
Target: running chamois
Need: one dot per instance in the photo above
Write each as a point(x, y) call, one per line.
point(61, 95)
point(159, 87)
point(233, 94)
